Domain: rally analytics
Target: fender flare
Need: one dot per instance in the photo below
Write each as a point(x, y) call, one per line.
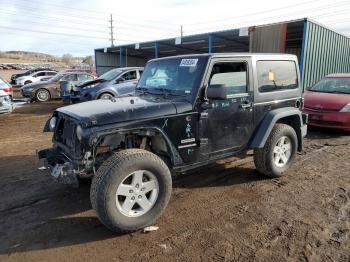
point(174, 154)
point(265, 127)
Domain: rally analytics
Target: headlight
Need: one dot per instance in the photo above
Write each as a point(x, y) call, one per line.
point(79, 132)
point(89, 86)
point(52, 123)
point(346, 108)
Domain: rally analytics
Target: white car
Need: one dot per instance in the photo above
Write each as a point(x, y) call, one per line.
point(34, 77)
point(6, 105)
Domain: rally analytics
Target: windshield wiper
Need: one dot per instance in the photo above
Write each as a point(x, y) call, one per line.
point(338, 92)
point(167, 91)
point(144, 90)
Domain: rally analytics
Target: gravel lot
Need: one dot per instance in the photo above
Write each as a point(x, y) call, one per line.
point(227, 212)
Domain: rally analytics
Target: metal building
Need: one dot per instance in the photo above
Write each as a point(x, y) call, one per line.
point(320, 50)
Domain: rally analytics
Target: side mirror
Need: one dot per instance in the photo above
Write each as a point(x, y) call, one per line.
point(120, 80)
point(217, 92)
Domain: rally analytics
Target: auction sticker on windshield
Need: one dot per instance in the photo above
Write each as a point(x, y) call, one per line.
point(189, 62)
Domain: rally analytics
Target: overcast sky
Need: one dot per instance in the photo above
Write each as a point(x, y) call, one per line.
point(78, 27)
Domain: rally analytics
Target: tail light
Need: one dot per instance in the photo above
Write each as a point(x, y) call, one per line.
point(7, 90)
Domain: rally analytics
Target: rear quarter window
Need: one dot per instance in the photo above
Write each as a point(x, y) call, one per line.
point(276, 76)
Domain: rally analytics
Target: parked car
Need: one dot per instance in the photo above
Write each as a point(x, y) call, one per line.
point(34, 77)
point(6, 87)
point(46, 90)
point(82, 70)
point(328, 102)
point(114, 83)
point(27, 73)
point(6, 105)
point(187, 112)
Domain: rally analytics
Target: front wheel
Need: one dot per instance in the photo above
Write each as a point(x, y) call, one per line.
point(130, 190)
point(42, 95)
point(106, 96)
point(279, 152)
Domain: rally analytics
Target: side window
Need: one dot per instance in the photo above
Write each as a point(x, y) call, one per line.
point(130, 75)
point(50, 73)
point(39, 74)
point(84, 77)
point(232, 75)
point(276, 75)
point(70, 77)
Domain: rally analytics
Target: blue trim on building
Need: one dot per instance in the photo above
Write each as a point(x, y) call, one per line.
point(302, 53)
point(96, 65)
point(121, 56)
point(210, 43)
point(173, 38)
point(156, 49)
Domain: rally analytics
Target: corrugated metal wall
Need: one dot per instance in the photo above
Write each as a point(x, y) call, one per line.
point(268, 39)
point(107, 61)
point(325, 52)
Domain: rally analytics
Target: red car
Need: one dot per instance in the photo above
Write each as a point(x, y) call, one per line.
point(328, 102)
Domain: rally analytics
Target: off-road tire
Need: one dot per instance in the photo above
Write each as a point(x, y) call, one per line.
point(263, 157)
point(112, 172)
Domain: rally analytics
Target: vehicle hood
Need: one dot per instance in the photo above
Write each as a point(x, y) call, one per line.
point(318, 100)
point(121, 109)
point(96, 82)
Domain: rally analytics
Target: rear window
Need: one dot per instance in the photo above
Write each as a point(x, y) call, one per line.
point(276, 75)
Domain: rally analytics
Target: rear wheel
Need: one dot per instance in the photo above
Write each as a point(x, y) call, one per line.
point(130, 190)
point(279, 152)
point(106, 96)
point(43, 95)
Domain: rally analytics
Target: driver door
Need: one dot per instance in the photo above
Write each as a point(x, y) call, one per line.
point(227, 123)
point(126, 83)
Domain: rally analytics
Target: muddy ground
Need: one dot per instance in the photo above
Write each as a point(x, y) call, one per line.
point(227, 212)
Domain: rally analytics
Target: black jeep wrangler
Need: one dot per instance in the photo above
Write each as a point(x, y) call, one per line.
point(187, 111)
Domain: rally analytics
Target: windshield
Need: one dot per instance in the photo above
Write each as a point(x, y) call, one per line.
point(175, 75)
point(110, 75)
point(56, 77)
point(333, 85)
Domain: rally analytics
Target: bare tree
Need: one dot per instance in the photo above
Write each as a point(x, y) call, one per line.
point(67, 58)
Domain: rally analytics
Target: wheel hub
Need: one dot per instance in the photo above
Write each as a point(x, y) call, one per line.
point(282, 151)
point(137, 194)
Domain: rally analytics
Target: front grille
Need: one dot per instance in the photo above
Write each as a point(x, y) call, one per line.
point(65, 132)
point(325, 123)
point(321, 110)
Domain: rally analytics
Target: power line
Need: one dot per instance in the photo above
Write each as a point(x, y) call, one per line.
point(257, 13)
point(69, 14)
point(269, 19)
point(94, 11)
point(64, 34)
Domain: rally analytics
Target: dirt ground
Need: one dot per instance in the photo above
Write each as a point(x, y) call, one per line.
point(225, 212)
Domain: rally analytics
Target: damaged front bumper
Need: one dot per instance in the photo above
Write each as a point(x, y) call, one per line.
point(61, 168)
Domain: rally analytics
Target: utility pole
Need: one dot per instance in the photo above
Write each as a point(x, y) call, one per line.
point(181, 31)
point(111, 33)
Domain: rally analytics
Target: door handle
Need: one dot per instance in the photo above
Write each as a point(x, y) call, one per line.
point(245, 105)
